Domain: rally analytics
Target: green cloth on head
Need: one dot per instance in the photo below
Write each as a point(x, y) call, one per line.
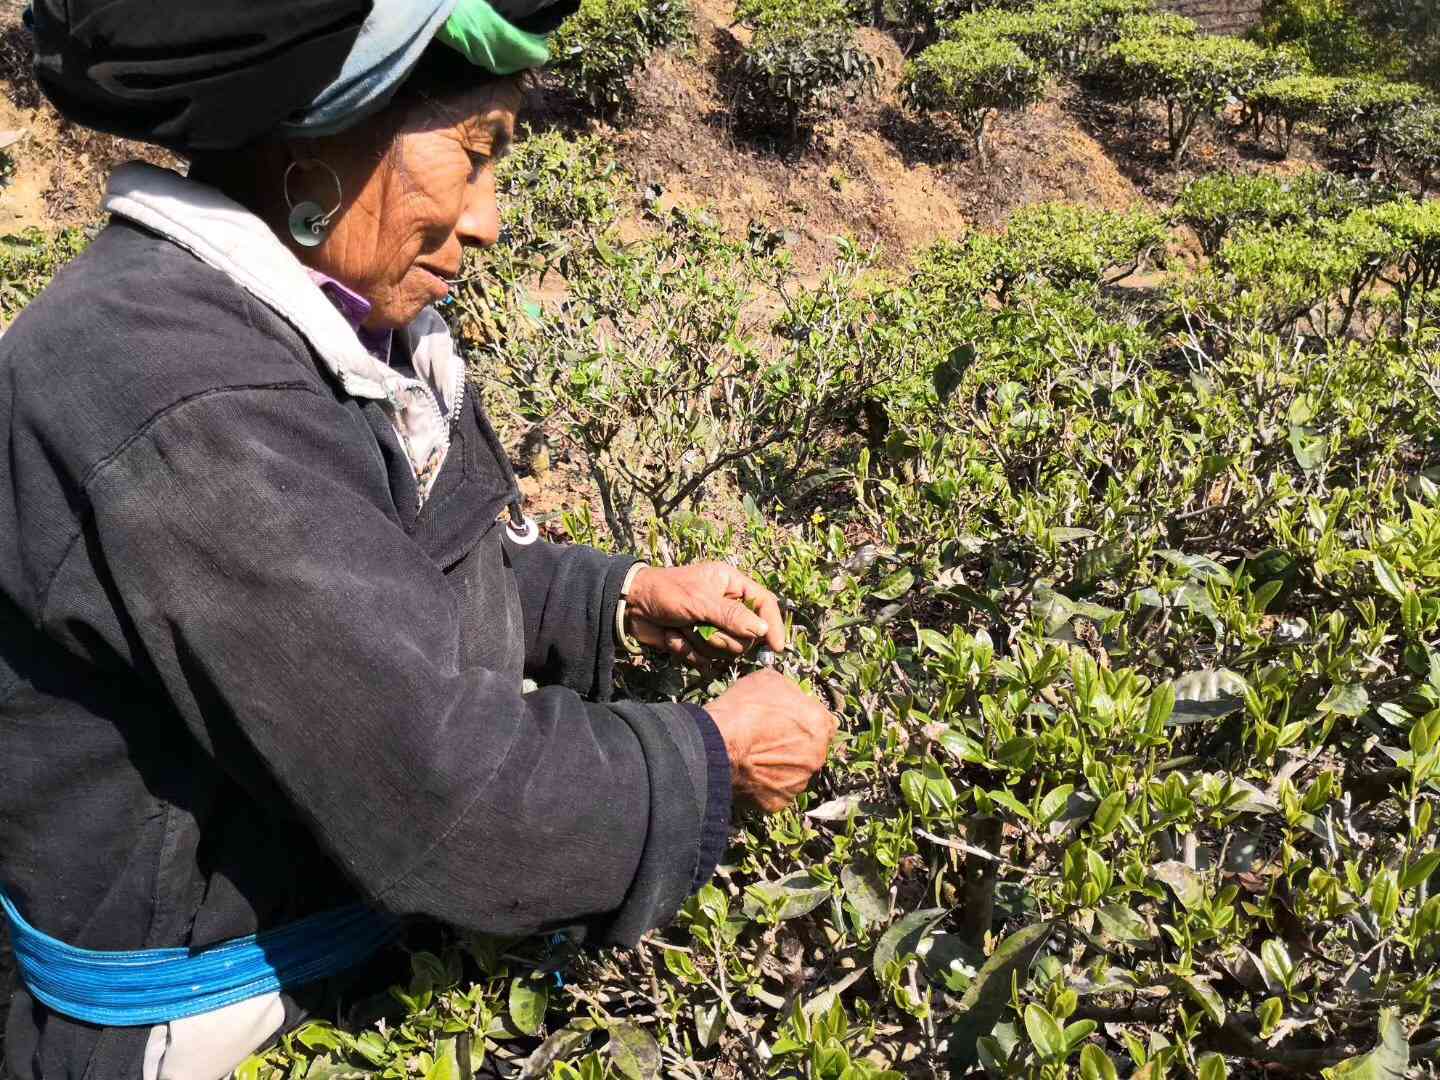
point(488, 40)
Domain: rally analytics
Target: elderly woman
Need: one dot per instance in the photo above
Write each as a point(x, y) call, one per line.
point(267, 594)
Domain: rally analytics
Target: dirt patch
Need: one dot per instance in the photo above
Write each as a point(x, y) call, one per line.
point(60, 168)
point(871, 173)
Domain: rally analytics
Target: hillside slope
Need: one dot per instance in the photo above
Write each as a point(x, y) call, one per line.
point(873, 174)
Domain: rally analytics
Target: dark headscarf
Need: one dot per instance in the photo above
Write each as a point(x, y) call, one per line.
point(196, 75)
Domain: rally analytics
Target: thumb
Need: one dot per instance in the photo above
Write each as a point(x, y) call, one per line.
point(737, 619)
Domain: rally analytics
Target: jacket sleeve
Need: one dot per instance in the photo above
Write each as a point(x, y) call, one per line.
point(568, 593)
point(309, 644)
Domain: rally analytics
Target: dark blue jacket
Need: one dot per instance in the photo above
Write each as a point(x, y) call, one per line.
point(244, 678)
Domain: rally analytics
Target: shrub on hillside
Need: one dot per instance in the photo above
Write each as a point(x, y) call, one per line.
point(598, 48)
point(1336, 41)
point(758, 14)
point(1411, 144)
point(923, 20)
point(1065, 34)
point(1059, 244)
point(1219, 204)
point(1135, 663)
point(1192, 78)
point(1305, 277)
point(802, 59)
point(1364, 109)
point(972, 79)
point(28, 261)
point(1292, 100)
point(1149, 24)
point(1414, 229)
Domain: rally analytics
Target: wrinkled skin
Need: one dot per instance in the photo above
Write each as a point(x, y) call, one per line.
point(405, 222)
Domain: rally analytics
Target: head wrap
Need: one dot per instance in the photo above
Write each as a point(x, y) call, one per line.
point(218, 74)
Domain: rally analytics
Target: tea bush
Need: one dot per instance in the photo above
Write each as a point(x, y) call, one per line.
point(28, 261)
point(1293, 100)
point(1410, 145)
point(1065, 34)
point(1334, 38)
point(801, 62)
point(971, 79)
point(1364, 110)
point(1216, 204)
point(1061, 244)
point(1192, 78)
point(598, 48)
point(1128, 601)
point(1129, 605)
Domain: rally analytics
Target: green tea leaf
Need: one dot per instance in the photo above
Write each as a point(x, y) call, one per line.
point(988, 995)
point(1420, 869)
point(1109, 813)
point(633, 1051)
point(1187, 885)
point(561, 1044)
point(1122, 923)
point(529, 998)
point(445, 1067)
point(1095, 1064)
point(1044, 1031)
point(1388, 1061)
point(903, 938)
point(1310, 447)
point(1349, 700)
point(1389, 579)
point(1208, 694)
point(894, 586)
point(1204, 995)
point(797, 894)
point(865, 889)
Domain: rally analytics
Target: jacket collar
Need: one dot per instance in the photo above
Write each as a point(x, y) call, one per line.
point(222, 233)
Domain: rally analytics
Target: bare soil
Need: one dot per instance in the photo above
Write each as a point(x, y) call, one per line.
point(59, 168)
point(870, 172)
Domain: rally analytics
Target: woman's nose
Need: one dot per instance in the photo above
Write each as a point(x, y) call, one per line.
point(479, 224)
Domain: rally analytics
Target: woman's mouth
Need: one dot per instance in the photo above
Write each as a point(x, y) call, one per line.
point(441, 283)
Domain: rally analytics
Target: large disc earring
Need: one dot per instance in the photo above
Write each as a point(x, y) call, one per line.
point(308, 222)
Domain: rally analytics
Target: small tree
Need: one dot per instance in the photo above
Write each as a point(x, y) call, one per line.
point(1364, 110)
point(1292, 100)
point(973, 78)
point(1411, 143)
point(598, 48)
point(1217, 204)
point(1415, 229)
point(1065, 34)
point(1221, 204)
point(801, 60)
point(1194, 78)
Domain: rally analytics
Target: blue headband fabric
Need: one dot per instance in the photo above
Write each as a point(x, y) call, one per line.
point(390, 44)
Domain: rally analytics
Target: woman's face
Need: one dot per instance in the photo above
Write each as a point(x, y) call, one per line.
point(404, 221)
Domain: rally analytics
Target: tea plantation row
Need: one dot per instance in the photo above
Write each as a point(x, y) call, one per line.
point(1128, 599)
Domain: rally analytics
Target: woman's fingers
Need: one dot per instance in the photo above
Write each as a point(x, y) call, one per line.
point(681, 647)
point(763, 604)
point(731, 615)
point(716, 646)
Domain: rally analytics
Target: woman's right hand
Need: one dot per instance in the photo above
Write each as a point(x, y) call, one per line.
point(777, 736)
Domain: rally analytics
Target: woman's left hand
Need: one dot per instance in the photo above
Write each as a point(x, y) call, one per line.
point(667, 606)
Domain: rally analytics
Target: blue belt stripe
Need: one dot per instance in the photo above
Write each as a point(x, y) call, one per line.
point(142, 987)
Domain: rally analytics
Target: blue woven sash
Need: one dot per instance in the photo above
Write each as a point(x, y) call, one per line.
point(142, 987)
